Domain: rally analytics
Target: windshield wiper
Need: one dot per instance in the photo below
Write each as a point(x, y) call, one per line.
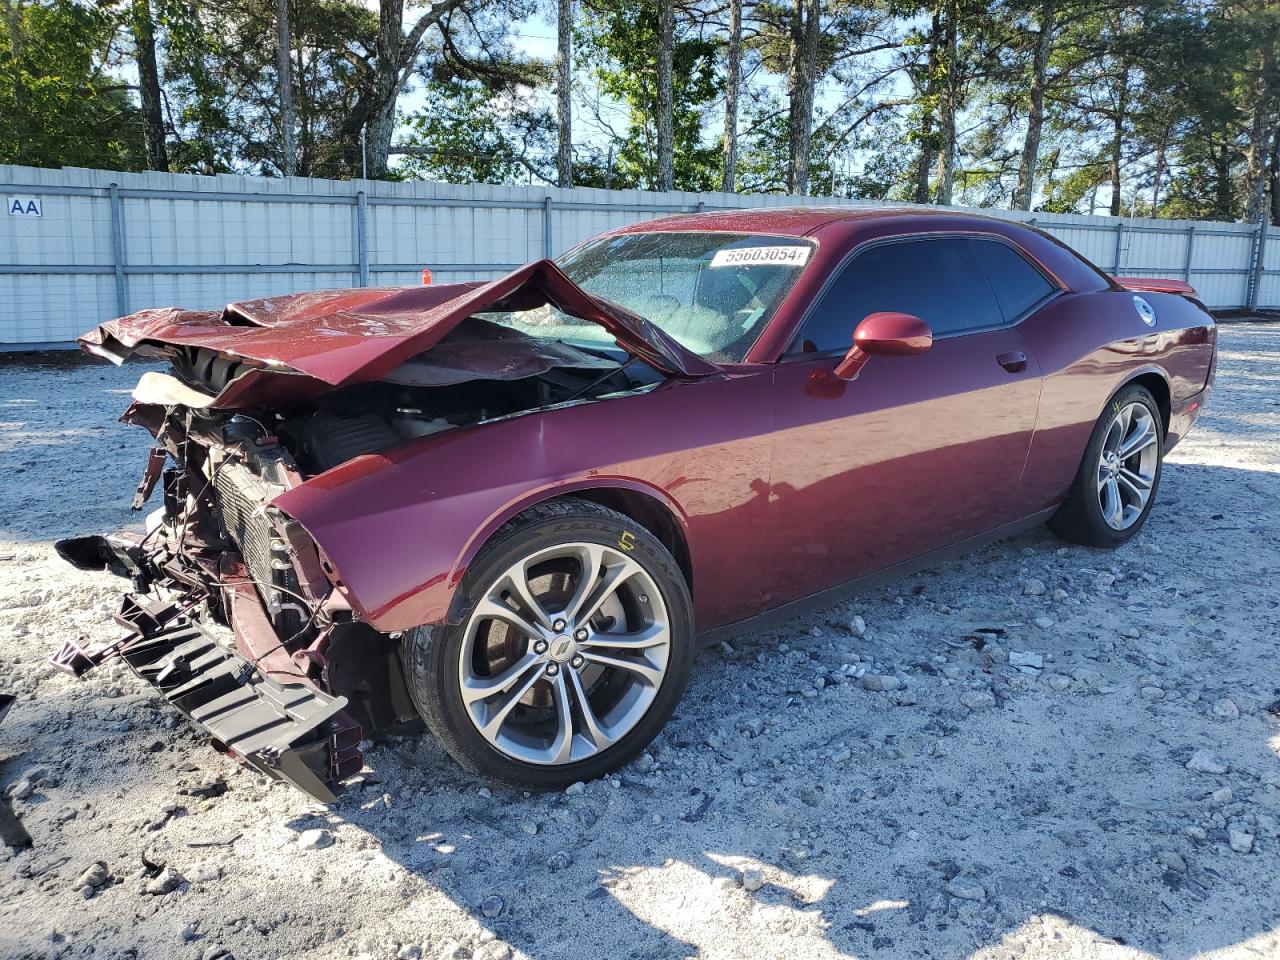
point(591, 385)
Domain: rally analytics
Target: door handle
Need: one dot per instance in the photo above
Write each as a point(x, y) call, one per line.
point(1014, 362)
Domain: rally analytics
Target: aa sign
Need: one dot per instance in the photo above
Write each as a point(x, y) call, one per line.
point(25, 207)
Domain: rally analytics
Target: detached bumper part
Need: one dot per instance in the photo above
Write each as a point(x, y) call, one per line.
point(285, 728)
point(120, 555)
point(288, 731)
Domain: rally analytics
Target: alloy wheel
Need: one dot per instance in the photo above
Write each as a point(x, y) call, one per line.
point(564, 653)
point(1127, 465)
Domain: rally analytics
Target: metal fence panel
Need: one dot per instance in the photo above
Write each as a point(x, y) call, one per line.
point(110, 243)
point(1269, 282)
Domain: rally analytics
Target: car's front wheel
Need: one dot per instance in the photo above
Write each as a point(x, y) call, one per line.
point(1116, 485)
point(571, 651)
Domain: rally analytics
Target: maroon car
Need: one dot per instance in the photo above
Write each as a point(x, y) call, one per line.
point(514, 508)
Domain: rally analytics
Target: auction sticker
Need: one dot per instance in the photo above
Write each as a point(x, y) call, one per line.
point(795, 256)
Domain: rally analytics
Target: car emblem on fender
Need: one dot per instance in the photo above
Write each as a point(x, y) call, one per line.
point(1145, 311)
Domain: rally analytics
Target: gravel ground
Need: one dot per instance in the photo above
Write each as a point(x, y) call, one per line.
point(1039, 750)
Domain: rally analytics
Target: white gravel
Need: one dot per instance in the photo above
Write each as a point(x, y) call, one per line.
point(1077, 756)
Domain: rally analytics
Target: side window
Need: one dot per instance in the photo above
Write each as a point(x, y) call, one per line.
point(937, 280)
point(1018, 285)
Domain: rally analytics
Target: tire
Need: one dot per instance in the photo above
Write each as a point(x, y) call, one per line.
point(1090, 515)
point(480, 669)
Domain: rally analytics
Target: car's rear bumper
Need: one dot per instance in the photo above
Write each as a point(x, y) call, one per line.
point(255, 702)
point(1183, 416)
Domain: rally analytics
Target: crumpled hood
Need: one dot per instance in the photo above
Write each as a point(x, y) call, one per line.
point(340, 337)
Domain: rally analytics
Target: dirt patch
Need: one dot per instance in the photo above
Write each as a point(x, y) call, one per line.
point(1038, 750)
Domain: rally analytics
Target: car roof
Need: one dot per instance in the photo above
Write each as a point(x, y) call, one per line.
point(839, 230)
point(800, 221)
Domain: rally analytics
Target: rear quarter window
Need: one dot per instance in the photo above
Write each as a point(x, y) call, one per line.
point(1018, 286)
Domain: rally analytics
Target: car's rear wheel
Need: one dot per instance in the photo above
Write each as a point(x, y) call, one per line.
point(1116, 485)
point(570, 653)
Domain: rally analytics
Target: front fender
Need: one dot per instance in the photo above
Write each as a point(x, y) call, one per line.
point(541, 494)
point(399, 560)
point(397, 530)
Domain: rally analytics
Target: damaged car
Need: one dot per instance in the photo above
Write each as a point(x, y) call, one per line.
point(514, 509)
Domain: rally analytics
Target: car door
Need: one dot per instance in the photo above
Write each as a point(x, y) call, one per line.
point(918, 452)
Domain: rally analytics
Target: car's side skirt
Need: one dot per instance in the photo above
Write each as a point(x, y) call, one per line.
point(843, 591)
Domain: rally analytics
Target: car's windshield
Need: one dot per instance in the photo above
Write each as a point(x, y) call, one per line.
point(713, 292)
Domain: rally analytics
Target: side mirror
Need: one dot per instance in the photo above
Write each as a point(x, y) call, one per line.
point(886, 334)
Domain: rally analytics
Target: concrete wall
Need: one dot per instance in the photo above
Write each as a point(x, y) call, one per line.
point(109, 243)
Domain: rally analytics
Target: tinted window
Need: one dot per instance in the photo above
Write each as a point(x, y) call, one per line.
point(937, 280)
point(1018, 285)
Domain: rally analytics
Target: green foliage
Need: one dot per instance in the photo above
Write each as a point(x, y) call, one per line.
point(221, 81)
point(1070, 193)
point(60, 103)
point(468, 135)
point(483, 121)
point(616, 40)
point(763, 165)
